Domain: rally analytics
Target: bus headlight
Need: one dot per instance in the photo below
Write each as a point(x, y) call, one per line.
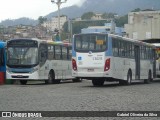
point(8, 69)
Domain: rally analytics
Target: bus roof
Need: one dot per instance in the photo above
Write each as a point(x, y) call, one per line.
point(36, 39)
point(59, 43)
point(132, 40)
point(45, 41)
point(91, 33)
point(151, 40)
point(27, 39)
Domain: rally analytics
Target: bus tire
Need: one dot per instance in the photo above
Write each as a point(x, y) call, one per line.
point(129, 78)
point(23, 82)
point(55, 81)
point(50, 78)
point(98, 82)
point(147, 81)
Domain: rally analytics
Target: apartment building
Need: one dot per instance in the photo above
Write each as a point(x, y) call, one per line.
point(97, 16)
point(143, 25)
point(53, 23)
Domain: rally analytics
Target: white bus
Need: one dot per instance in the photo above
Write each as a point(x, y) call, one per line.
point(105, 57)
point(34, 59)
point(155, 42)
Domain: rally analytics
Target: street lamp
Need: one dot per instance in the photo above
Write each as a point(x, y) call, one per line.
point(58, 2)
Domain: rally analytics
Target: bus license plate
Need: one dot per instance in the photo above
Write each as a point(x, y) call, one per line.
point(90, 70)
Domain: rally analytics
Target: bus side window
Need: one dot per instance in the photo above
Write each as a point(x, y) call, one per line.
point(122, 48)
point(43, 53)
point(119, 48)
point(115, 47)
point(69, 52)
point(58, 54)
point(50, 52)
point(132, 50)
point(64, 53)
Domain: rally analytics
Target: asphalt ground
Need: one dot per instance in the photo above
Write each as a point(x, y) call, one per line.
point(83, 96)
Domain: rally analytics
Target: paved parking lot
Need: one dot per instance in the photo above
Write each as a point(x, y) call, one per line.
point(69, 96)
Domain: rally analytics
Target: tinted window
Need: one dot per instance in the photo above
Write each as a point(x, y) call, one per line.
point(58, 52)
point(90, 42)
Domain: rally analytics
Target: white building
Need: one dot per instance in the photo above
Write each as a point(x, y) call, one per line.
point(97, 16)
point(107, 28)
point(53, 23)
point(143, 25)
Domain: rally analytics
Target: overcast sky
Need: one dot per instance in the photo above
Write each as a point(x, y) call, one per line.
point(13, 9)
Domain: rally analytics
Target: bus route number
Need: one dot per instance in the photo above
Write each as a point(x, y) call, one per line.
point(99, 42)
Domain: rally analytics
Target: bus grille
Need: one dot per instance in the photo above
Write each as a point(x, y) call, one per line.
point(19, 76)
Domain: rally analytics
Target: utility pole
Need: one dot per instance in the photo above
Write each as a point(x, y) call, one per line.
point(58, 2)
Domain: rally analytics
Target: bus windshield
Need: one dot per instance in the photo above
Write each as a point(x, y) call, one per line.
point(22, 56)
point(90, 42)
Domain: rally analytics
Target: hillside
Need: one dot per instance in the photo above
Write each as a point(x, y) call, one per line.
point(23, 21)
point(121, 7)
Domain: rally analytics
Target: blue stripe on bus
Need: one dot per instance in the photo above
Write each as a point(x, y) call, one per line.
point(109, 50)
point(73, 52)
point(2, 46)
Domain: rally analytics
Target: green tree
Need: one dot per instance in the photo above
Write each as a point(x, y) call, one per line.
point(121, 21)
point(124, 19)
point(108, 15)
point(64, 35)
point(78, 25)
point(136, 10)
point(87, 15)
point(42, 19)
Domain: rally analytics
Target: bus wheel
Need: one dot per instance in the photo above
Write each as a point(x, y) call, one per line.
point(23, 82)
point(129, 78)
point(98, 82)
point(77, 80)
point(50, 78)
point(147, 81)
point(55, 81)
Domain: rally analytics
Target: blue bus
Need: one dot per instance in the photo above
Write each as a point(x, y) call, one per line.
point(2, 59)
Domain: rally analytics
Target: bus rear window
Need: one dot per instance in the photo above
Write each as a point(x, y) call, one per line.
point(90, 42)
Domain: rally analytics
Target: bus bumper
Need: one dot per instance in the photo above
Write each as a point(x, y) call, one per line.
point(24, 76)
point(85, 75)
